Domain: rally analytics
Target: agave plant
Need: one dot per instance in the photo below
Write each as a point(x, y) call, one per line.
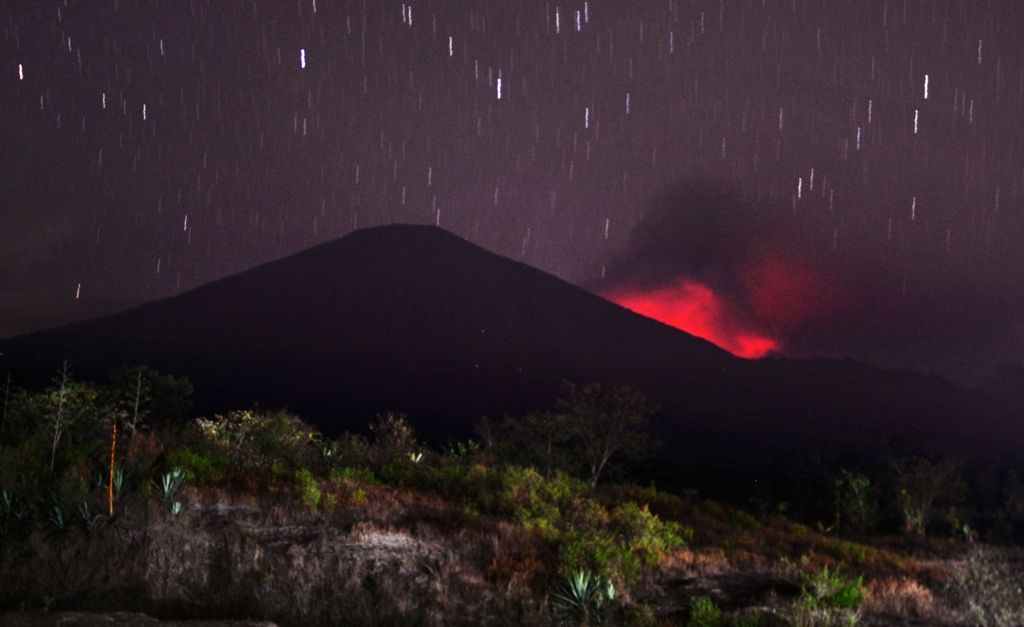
point(59, 519)
point(121, 481)
point(87, 518)
point(169, 485)
point(13, 506)
point(15, 523)
point(581, 598)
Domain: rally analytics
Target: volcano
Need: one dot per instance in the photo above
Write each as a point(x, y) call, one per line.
point(417, 320)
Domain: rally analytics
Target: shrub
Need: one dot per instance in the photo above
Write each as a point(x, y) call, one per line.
point(595, 551)
point(534, 501)
point(639, 615)
point(362, 475)
point(856, 498)
point(199, 469)
point(263, 441)
point(647, 536)
point(704, 613)
point(309, 488)
point(832, 589)
point(394, 438)
point(358, 497)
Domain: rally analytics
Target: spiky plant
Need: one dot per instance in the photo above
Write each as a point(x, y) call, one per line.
point(169, 485)
point(581, 597)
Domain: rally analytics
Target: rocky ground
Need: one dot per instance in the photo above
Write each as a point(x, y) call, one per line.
point(113, 619)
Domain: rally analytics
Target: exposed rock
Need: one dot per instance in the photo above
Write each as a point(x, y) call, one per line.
point(226, 561)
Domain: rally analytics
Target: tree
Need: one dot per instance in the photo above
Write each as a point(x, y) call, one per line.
point(605, 423)
point(541, 438)
point(68, 402)
point(923, 487)
point(141, 395)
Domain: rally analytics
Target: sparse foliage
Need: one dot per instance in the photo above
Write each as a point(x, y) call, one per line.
point(141, 396)
point(394, 437)
point(924, 488)
point(856, 501)
point(68, 402)
point(258, 441)
point(585, 431)
point(607, 423)
point(541, 439)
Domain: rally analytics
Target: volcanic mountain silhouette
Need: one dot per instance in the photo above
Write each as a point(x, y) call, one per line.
point(417, 320)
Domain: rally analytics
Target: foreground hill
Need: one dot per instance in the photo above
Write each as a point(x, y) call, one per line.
point(415, 319)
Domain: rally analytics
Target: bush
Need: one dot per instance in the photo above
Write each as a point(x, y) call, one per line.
point(833, 590)
point(530, 499)
point(645, 535)
point(361, 475)
point(596, 551)
point(309, 488)
point(394, 438)
point(263, 442)
point(199, 469)
point(704, 613)
point(744, 520)
point(613, 545)
point(358, 497)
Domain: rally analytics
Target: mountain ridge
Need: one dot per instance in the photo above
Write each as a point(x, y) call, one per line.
point(416, 319)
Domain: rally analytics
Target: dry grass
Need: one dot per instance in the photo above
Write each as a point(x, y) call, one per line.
point(905, 597)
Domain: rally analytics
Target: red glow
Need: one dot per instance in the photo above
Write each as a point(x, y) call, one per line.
point(694, 308)
point(785, 293)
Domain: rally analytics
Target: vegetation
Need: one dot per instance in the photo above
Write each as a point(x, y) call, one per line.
point(534, 527)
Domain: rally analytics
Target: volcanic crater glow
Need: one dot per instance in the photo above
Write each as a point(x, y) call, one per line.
point(696, 309)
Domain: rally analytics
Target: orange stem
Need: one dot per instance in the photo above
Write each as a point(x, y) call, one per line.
point(113, 446)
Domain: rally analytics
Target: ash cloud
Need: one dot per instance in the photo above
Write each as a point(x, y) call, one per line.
point(823, 284)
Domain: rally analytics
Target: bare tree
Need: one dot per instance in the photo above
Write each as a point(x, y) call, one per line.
point(60, 419)
point(136, 400)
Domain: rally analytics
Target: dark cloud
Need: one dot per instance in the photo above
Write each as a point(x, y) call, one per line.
point(792, 278)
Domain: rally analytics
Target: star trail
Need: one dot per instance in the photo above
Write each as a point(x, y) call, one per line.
point(150, 147)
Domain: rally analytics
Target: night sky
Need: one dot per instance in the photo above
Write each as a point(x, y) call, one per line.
point(838, 177)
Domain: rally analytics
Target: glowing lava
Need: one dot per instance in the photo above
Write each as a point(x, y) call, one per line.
point(694, 308)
